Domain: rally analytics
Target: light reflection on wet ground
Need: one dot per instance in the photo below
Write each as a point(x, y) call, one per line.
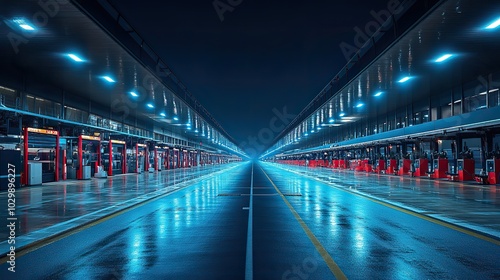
point(464, 203)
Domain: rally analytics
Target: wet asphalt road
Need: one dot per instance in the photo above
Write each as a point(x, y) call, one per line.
point(200, 232)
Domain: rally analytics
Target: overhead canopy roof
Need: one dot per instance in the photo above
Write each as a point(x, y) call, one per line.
point(65, 28)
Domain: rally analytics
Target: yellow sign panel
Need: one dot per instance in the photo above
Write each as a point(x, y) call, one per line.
point(118, 142)
point(43, 131)
point(87, 137)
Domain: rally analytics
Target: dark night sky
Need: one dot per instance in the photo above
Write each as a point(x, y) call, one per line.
point(261, 56)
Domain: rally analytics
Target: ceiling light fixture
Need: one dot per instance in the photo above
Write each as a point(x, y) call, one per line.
point(443, 58)
point(108, 79)
point(23, 24)
point(405, 79)
point(75, 57)
point(494, 24)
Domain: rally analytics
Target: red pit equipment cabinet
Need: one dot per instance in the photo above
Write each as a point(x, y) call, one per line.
point(380, 166)
point(440, 168)
point(465, 169)
point(404, 166)
point(493, 169)
point(421, 167)
point(391, 166)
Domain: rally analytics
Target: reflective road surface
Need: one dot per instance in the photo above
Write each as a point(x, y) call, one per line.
point(259, 221)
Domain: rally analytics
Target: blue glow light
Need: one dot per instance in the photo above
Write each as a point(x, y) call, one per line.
point(307, 134)
point(134, 94)
point(163, 114)
point(359, 105)
point(188, 124)
point(75, 57)
point(23, 24)
point(443, 58)
point(378, 94)
point(341, 115)
point(150, 105)
point(108, 79)
point(331, 120)
point(494, 24)
point(196, 131)
point(405, 79)
point(176, 118)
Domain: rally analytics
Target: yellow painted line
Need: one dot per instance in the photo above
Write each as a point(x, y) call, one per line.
point(334, 268)
point(51, 239)
point(430, 219)
point(413, 213)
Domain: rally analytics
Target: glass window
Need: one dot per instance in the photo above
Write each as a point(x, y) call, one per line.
point(493, 97)
point(401, 118)
point(92, 120)
point(75, 115)
point(391, 121)
point(474, 96)
point(457, 101)
point(421, 112)
point(494, 92)
point(8, 97)
point(445, 104)
point(42, 106)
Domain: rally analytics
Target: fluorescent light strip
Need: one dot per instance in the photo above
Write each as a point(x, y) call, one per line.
point(494, 24)
point(75, 58)
point(108, 79)
point(443, 58)
point(27, 27)
point(405, 79)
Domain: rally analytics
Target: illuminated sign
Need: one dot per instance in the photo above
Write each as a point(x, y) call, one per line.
point(118, 142)
point(141, 145)
point(43, 131)
point(86, 137)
